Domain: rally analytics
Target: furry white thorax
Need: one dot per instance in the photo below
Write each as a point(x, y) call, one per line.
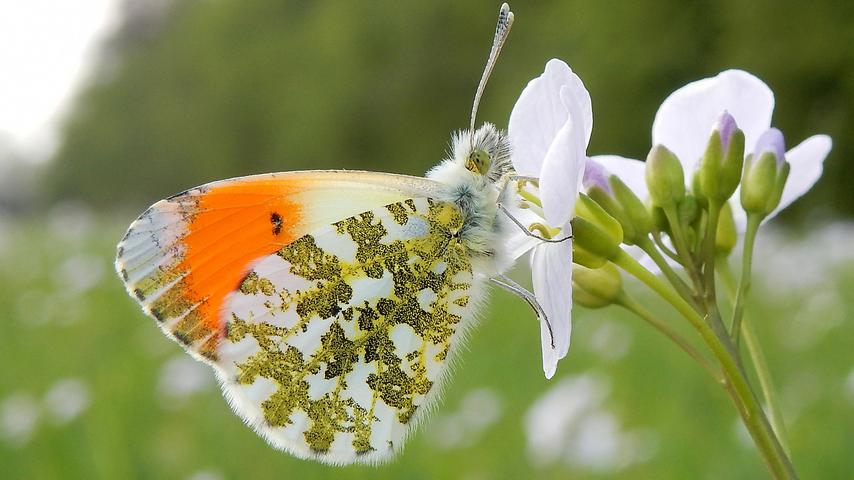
point(477, 195)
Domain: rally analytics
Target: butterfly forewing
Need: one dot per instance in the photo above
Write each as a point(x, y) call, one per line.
point(184, 255)
point(335, 344)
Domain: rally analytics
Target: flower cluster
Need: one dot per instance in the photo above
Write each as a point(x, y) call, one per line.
point(713, 147)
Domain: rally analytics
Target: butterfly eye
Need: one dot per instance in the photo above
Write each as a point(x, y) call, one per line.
point(478, 162)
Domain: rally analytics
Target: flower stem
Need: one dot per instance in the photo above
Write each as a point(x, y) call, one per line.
point(735, 380)
point(753, 222)
point(656, 236)
point(648, 247)
point(709, 253)
point(682, 246)
point(760, 365)
point(630, 304)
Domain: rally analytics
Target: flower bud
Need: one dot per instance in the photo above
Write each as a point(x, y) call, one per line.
point(606, 200)
point(719, 170)
point(765, 174)
point(596, 288)
point(584, 258)
point(697, 189)
point(594, 240)
point(595, 182)
point(659, 219)
point(588, 209)
point(634, 211)
point(688, 210)
point(726, 236)
point(664, 177)
point(594, 176)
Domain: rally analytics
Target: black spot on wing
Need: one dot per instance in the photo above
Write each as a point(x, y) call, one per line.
point(276, 221)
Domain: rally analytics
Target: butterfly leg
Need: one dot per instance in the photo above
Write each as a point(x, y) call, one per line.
point(528, 232)
point(508, 284)
point(505, 182)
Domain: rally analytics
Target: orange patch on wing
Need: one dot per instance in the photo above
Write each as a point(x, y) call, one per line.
point(234, 224)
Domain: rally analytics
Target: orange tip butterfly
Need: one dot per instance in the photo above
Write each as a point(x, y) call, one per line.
point(330, 303)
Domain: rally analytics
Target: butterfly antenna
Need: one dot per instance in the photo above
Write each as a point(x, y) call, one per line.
point(502, 29)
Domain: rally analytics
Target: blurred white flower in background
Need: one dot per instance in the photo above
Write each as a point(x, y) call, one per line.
point(849, 386)
point(569, 424)
point(66, 400)
point(611, 340)
point(479, 409)
point(79, 273)
point(71, 222)
point(19, 416)
point(206, 475)
point(180, 378)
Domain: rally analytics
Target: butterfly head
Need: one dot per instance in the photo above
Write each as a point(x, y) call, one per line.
point(484, 152)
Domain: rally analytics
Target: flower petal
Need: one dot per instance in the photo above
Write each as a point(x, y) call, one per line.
point(551, 269)
point(630, 171)
point(686, 118)
point(539, 114)
point(806, 162)
point(563, 165)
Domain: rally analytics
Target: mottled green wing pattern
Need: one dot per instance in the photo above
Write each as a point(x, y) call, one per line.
point(336, 344)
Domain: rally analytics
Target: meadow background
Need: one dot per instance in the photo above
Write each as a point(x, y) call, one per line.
point(185, 92)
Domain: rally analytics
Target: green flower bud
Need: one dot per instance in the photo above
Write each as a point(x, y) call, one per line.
point(719, 170)
point(593, 239)
point(664, 177)
point(659, 219)
point(697, 190)
point(634, 211)
point(584, 258)
point(689, 210)
point(707, 176)
point(587, 208)
point(760, 176)
point(733, 164)
point(765, 174)
point(726, 237)
point(608, 203)
point(596, 288)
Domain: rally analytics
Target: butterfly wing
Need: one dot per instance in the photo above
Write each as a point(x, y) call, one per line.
point(182, 256)
point(330, 336)
point(336, 343)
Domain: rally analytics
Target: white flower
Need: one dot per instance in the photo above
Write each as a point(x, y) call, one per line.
point(687, 117)
point(66, 400)
point(549, 129)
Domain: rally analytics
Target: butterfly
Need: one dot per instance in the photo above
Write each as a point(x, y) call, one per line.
point(330, 303)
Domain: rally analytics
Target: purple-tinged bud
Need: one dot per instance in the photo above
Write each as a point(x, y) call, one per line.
point(595, 175)
point(765, 174)
point(720, 167)
point(601, 187)
point(725, 126)
point(771, 141)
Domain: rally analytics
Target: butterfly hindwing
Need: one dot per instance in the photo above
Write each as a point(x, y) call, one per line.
point(336, 343)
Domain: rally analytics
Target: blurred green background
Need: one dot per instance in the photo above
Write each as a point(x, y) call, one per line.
point(191, 91)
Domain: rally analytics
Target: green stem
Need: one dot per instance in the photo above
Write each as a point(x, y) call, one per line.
point(656, 236)
point(753, 222)
point(709, 252)
point(649, 248)
point(630, 304)
point(760, 365)
point(735, 380)
point(682, 246)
